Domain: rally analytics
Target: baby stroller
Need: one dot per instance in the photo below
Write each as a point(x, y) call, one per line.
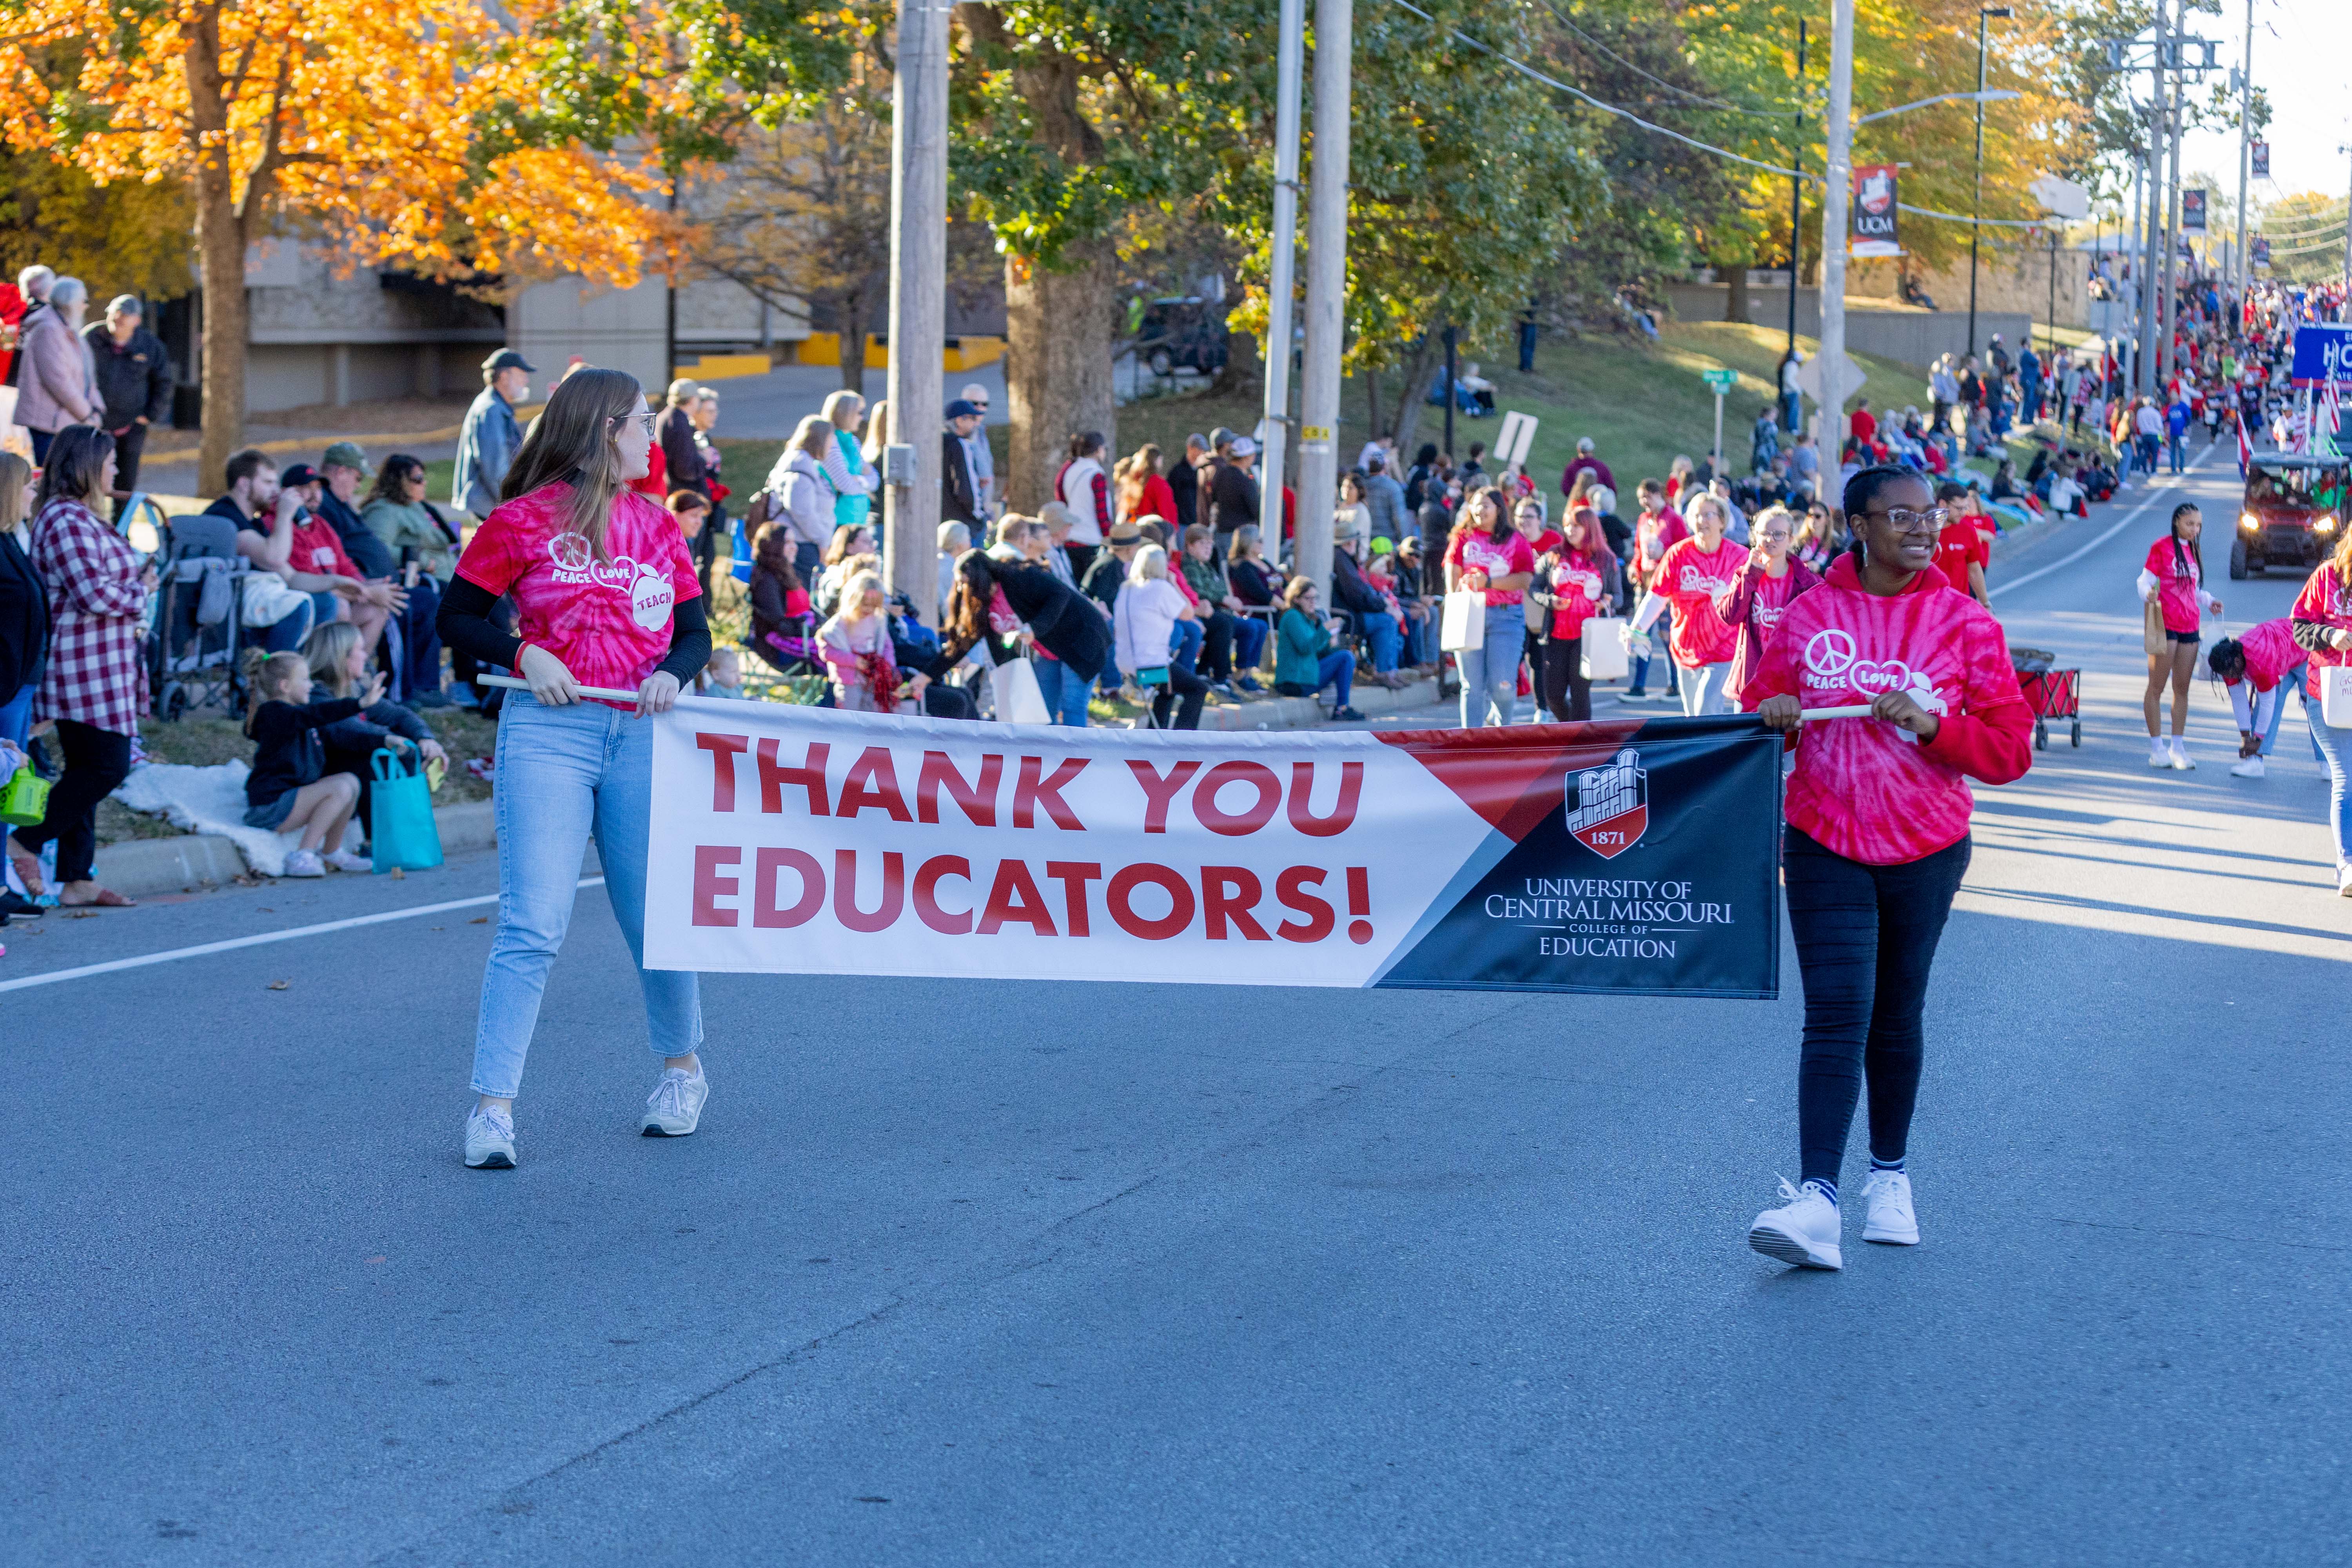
point(196, 635)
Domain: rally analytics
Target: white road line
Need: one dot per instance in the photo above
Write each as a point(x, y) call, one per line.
point(322, 929)
point(1996, 590)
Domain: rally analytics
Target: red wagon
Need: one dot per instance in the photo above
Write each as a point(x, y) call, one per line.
point(2053, 694)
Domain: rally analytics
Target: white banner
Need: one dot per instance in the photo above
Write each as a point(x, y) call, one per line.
point(806, 840)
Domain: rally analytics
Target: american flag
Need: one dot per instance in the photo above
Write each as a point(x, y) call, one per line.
point(2245, 450)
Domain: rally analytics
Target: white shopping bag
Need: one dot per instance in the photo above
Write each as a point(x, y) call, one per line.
point(2336, 696)
point(1019, 700)
point(1465, 626)
point(1604, 648)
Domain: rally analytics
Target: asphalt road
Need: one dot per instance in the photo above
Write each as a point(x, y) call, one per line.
point(1113, 1273)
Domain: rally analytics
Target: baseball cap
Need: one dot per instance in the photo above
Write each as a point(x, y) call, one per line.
point(962, 408)
point(344, 454)
point(1382, 546)
point(507, 359)
point(1219, 437)
point(1243, 446)
point(299, 474)
point(125, 305)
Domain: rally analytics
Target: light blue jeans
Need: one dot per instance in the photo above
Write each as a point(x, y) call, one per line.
point(1702, 689)
point(2335, 749)
point(1065, 694)
point(1490, 675)
point(564, 772)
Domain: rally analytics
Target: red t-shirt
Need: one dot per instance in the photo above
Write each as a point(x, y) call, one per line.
point(608, 620)
point(2270, 652)
point(1653, 535)
point(1691, 576)
point(2327, 601)
point(2177, 578)
point(1960, 544)
point(318, 548)
point(1868, 790)
point(1477, 547)
point(1864, 424)
point(1577, 585)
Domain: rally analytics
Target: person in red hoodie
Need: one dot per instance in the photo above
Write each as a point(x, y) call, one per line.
point(1877, 838)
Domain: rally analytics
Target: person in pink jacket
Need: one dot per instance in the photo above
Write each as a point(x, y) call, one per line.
point(58, 386)
point(1877, 838)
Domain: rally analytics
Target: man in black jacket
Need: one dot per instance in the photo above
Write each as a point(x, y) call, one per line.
point(1378, 629)
point(134, 381)
point(959, 486)
point(1233, 495)
point(1184, 482)
point(675, 431)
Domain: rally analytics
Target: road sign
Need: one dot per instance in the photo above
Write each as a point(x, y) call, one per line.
point(1722, 381)
point(2322, 353)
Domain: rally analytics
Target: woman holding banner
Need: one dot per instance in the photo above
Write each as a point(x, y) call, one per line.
point(606, 595)
point(1877, 836)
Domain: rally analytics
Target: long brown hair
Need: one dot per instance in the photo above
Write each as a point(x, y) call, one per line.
point(14, 473)
point(392, 479)
point(966, 620)
point(2342, 561)
point(76, 460)
point(574, 442)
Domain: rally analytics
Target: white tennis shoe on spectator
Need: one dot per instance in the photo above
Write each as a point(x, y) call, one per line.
point(2250, 768)
point(675, 1105)
point(304, 863)
point(1804, 1231)
point(1891, 1218)
point(489, 1140)
point(344, 860)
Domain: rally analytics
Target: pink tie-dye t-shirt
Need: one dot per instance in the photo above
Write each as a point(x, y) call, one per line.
point(608, 617)
point(2179, 575)
point(2327, 600)
point(1863, 787)
point(2270, 652)
point(1691, 576)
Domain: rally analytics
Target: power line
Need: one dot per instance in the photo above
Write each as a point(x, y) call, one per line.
point(1530, 72)
point(1670, 87)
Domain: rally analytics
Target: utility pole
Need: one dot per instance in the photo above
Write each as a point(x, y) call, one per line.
point(1836, 192)
point(2346, 309)
point(1451, 396)
point(919, 287)
point(1327, 296)
point(1289, 55)
point(1796, 197)
point(1976, 205)
point(2151, 221)
point(2173, 124)
point(2245, 151)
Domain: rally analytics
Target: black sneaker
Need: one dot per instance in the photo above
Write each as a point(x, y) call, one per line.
point(1343, 713)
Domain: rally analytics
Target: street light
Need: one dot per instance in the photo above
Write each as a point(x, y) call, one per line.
point(1984, 14)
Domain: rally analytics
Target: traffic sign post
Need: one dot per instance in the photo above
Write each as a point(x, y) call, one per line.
point(1721, 382)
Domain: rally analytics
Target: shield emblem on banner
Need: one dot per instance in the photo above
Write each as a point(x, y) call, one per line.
point(1609, 806)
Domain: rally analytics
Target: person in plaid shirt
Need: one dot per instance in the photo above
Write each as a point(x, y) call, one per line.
point(96, 686)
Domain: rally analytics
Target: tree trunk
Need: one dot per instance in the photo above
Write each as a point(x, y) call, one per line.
point(1735, 300)
point(220, 244)
point(852, 319)
point(1057, 376)
point(1415, 397)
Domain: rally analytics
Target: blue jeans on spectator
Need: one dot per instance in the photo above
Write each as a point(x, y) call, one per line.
point(41, 439)
point(2292, 681)
point(1379, 629)
point(2335, 750)
point(1662, 633)
point(2145, 445)
point(1185, 647)
point(1249, 644)
point(16, 715)
point(420, 668)
point(1490, 675)
point(808, 561)
point(2178, 452)
point(1336, 667)
point(1065, 693)
point(286, 635)
point(562, 773)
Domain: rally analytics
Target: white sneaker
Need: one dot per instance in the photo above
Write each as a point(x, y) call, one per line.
point(344, 860)
point(675, 1105)
point(2159, 756)
point(489, 1140)
point(1891, 1218)
point(2344, 881)
point(304, 863)
point(2181, 762)
point(1804, 1231)
point(2248, 768)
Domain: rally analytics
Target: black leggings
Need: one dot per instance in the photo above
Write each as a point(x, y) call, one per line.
point(1866, 939)
point(1566, 695)
point(96, 762)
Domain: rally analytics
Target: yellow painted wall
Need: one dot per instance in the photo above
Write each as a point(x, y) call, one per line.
point(965, 353)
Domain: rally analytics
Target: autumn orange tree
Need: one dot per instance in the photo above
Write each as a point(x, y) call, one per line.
point(439, 135)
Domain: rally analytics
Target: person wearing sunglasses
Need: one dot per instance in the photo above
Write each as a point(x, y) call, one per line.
point(1877, 838)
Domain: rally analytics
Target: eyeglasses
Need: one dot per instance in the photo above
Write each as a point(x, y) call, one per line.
point(644, 420)
point(1910, 522)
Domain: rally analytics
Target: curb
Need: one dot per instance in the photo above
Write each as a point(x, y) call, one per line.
point(144, 867)
point(1309, 712)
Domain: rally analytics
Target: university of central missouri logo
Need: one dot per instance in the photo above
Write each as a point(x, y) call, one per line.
point(1610, 806)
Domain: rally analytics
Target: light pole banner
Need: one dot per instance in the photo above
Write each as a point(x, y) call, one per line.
point(1874, 211)
point(1637, 856)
